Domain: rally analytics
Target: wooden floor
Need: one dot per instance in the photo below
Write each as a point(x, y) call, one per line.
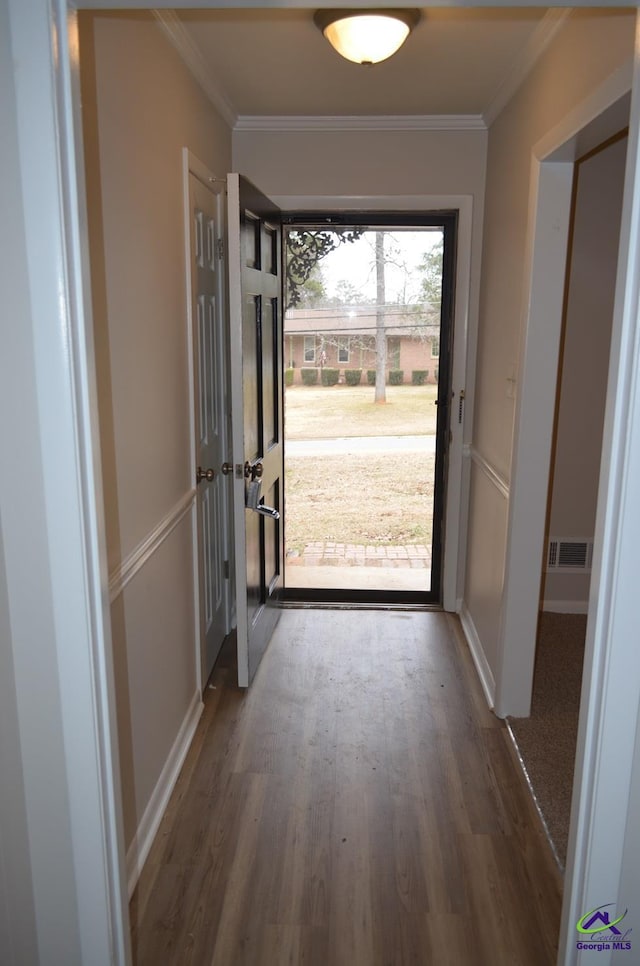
point(358, 806)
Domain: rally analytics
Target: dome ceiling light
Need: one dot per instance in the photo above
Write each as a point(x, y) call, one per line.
point(366, 36)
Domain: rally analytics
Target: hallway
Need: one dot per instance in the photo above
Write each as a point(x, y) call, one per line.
point(360, 805)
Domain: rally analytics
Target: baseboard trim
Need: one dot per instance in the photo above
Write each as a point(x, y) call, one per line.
point(566, 606)
point(479, 659)
point(143, 840)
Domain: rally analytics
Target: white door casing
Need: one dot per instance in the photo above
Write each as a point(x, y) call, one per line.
point(462, 360)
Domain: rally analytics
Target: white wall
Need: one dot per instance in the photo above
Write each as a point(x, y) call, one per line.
point(445, 167)
point(593, 261)
point(344, 162)
point(140, 108)
point(351, 163)
point(588, 49)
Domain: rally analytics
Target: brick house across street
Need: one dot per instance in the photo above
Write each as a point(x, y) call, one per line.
point(344, 337)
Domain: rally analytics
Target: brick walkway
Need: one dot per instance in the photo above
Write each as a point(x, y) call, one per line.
point(328, 554)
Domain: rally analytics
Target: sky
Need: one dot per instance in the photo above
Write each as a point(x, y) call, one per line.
point(355, 262)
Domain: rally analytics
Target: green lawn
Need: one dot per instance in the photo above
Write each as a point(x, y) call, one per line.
point(331, 411)
point(375, 499)
point(378, 500)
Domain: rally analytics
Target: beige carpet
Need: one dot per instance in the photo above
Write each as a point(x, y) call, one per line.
point(547, 740)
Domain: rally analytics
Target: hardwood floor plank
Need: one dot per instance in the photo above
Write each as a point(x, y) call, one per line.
point(359, 806)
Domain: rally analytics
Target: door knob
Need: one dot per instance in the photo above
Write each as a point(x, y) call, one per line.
point(208, 475)
point(253, 472)
point(227, 468)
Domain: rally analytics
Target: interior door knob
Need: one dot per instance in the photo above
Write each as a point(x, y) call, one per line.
point(227, 468)
point(208, 475)
point(253, 471)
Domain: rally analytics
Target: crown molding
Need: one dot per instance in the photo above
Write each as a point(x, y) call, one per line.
point(541, 38)
point(179, 37)
point(362, 122)
point(526, 60)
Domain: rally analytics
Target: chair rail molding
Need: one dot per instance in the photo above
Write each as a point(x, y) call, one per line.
point(138, 557)
point(491, 473)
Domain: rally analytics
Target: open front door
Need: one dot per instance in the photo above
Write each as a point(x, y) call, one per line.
point(255, 303)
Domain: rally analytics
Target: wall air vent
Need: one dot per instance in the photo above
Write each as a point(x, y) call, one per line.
point(569, 555)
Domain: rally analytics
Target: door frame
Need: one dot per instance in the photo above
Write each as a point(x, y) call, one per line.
point(462, 362)
point(77, 721)
point(417, 221)
point(552, 172)
point(610, 695)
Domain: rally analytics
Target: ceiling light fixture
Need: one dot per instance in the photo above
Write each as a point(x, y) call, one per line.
point(366, 36)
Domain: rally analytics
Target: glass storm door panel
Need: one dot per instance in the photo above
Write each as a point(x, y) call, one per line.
point(367, 336)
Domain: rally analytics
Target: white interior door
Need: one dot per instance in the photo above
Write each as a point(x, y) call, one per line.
point(255, 309)
point(207, 276)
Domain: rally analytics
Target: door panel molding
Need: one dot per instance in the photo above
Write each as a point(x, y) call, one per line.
point(205, 264)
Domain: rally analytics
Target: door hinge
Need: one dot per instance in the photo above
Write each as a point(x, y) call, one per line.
point(225, 569)
point(220, 248)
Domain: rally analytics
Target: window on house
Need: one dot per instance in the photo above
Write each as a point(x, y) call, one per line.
point(343, 350)
point(309, 348)
point(435, 348)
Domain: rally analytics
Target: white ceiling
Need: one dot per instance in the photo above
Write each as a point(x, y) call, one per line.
point(276, 62)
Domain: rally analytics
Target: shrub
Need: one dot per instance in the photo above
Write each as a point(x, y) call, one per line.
point(329, 376)
point(419, 377)
point(396, 377)
point(309, 376)
point(352, 377)
point(288, 377)
point(371, 377)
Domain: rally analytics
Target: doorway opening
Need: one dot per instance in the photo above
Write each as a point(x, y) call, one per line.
point(367, 348)
point(546, 739)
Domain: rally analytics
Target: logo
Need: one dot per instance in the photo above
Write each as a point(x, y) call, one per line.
point(588, 922)
point(599, 929)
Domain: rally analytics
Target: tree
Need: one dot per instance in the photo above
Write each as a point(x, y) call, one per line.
point(304, 249)
point(346, 293)
point(431, 265)
point(415, 289)
point(312, 293)
point(381, 334)
point(431, 288)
